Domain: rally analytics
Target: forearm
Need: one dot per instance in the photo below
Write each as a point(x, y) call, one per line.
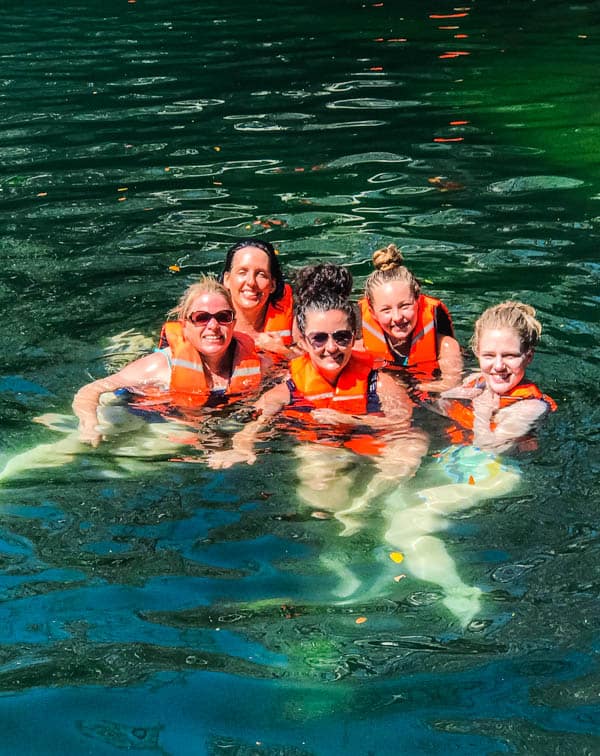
point(510, 425)
point(86, 400)
point(244, 441)
point(445, 382)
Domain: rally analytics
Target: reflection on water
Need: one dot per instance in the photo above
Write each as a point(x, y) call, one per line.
point(151, 604)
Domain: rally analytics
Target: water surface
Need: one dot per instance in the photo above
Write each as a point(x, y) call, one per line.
point(159, 607)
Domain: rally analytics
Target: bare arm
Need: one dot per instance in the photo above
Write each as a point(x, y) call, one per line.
point(451, 365)
point(152, 370)
point(510, 423)
point(269, 343)
point(243, 442)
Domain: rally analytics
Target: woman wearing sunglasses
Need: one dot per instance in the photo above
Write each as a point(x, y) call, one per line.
point(336, 402)
point(261, 299)
point(204, 361)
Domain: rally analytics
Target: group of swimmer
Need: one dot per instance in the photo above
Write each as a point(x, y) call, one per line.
point(342, 380)
point(363, 367)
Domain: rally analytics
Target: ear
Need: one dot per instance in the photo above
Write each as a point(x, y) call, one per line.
point(528, 357)
point(226, 279)
point(302, 343)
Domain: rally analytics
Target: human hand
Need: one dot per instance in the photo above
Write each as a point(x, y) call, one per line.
point(89, 434)
point(485, 403)
point(221, 460)
point(270, 343)
point(332, 417)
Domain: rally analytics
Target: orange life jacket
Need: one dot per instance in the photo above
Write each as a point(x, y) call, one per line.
point(280, 316)
point(188, 386)
point(353, 394)
point(461, 411)
point(422, 359)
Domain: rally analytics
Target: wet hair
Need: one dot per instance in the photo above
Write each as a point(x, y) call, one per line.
point(274, 266)
point(323, 287)
point(517, 316)
point(387, 262)
point(205, 285)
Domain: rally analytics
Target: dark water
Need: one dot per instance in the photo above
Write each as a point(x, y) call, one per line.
point(159, 607)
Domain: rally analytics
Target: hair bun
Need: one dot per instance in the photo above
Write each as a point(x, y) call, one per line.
point(313, 279)
point(387, 258)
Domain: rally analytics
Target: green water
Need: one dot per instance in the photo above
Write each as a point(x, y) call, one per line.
point(160, 607)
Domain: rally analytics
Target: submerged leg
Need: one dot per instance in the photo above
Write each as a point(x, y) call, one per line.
point(409, 529)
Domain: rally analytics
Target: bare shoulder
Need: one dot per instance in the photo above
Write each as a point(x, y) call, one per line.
point(154, 368)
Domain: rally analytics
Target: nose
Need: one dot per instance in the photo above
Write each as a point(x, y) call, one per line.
point(498, 362)
point(331, 344)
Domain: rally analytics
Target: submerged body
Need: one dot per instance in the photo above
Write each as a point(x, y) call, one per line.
point(334, 389)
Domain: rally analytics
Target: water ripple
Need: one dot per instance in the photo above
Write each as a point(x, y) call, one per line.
point(372, 104)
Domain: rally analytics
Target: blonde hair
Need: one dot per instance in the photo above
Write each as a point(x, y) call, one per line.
point(387, 262)
point(517, 316)
point(205, 285)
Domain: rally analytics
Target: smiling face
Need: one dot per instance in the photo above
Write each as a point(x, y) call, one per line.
point(211, 339)
point(249, 280)
point(502, 359)
point(329, 357)
point(394, 307)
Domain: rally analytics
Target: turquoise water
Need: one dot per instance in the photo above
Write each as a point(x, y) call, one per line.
point(160, 607)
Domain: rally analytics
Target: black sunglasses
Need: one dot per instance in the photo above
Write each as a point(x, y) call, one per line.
point(320, 338)
point(201, 317)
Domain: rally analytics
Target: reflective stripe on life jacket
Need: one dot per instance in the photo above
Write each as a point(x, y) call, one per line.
point(422, 358)
point(351, 393)
point(355, 393)
point(187, 368)
point(280, 316)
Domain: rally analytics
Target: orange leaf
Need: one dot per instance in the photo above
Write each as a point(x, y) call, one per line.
point(360, 620)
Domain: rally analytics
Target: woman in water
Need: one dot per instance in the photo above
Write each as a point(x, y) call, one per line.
point(496, 409)
point(405, 328)
point(261, 299)
point(343, 409)
point(498, 404)
point(205, 361)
